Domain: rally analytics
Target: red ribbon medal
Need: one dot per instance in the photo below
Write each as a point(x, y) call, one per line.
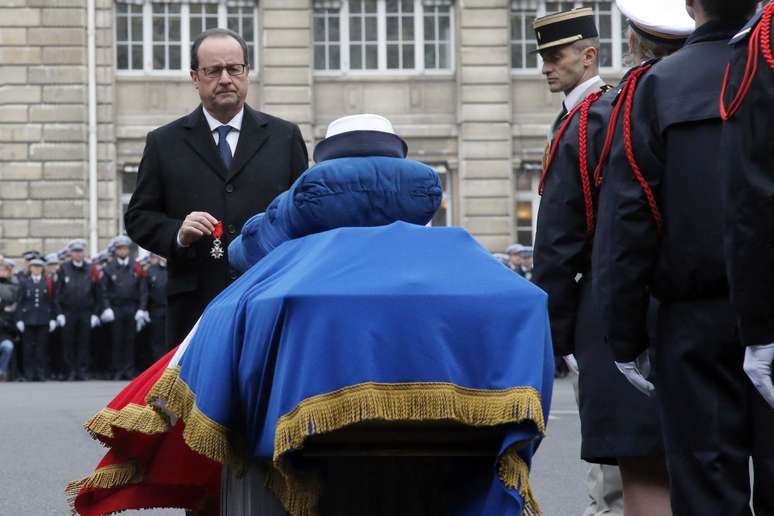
point(217, 250)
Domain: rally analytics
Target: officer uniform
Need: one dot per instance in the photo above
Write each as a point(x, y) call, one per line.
point(555, 30)
point(75, 296)
point(55, 352)
point(125, 293)
point(662, 235)
point(157, 307)
point(9, 295)
point(36, 312)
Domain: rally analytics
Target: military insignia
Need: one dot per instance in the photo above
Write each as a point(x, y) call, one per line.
point(217, 249)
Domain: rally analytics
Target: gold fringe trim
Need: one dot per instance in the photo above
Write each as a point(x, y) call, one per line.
point(514, 474)
point(132, 417)
point(108, 477)
point(421, 401)
point(201, 434)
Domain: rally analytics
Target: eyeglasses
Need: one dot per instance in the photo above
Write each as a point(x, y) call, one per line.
point(217, 71)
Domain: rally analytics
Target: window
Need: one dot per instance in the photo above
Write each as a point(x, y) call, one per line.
point(610, 24)
point(526, 201)
point(383, 35)
point(156, 36)
point(129, 37)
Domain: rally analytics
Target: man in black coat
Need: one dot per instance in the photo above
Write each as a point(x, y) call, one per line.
point(749, 176)
point(75, 298)
point(663, 237)
point(202, 176)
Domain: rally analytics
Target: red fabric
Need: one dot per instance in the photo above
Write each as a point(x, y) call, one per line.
point(172, 475)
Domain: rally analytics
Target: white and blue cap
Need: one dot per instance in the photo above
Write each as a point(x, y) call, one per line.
point(121, 240)
point(78, 244)
point(52, 259)
point(359, 136)
point(38, 261)
point(661, 21)
point(7, 262)
point(519, 249)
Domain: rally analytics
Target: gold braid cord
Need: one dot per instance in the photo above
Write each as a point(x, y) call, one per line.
point(112, 476)
point(401, 402)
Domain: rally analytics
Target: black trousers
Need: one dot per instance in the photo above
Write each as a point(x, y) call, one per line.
point(35, 352)
point(124, 332)
point(713, 419)
point(76, 336)
point(158, 331)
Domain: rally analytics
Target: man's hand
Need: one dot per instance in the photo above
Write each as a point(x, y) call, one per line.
point(572, 364)
point(61, 321)
point(51, 325)
point(94, 321)
point(757, 365)
point(20, 326)
point(107, 316)
point(196, 225)
point(636, 373)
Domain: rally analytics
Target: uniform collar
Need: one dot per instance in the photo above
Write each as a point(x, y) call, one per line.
point(715, 30)
point(123, 262)
point(577, 94)
point(36, 278)
point(234, 123)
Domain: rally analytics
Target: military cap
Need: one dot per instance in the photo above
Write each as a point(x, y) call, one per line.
point(519, 249)
point(31, 255)
point(38, 261)
point(661, 21)
point(355, 135)
point(63, 254)
point(76, 245)
point(52, 259)
point(565, 28)
point(121, 240)
point(7, 262)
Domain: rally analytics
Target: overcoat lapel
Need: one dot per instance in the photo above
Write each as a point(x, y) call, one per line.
point(199, 138)
point(251, 138)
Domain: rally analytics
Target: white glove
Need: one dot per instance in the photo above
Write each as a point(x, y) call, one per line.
point(20, 326)
point(636, 373)
point(51, 325)
point(757, 365)
point(108, 316)
point(139, 318)
point(60, 319)
point(94, 321)
point(147, 316)
point(571, 363)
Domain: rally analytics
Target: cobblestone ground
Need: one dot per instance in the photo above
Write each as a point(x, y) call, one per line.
point(43, 446)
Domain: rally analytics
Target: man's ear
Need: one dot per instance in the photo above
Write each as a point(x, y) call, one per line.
point(194, 78)
point(590, 56)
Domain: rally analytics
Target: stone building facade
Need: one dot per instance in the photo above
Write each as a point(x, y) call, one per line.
point(456, 77)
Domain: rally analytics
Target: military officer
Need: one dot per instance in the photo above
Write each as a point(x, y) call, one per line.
point(35, 319)
point(75, 295)
point(125, 295)
point(157, 305)
point(662, 236)
point(747, 102)
point(568, 43)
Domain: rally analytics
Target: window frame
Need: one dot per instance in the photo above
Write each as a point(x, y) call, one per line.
point(185, 40)
point(382, 70)
point(616, 28)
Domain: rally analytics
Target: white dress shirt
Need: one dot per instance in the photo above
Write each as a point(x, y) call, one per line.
point(575, 96)
point(233, 135)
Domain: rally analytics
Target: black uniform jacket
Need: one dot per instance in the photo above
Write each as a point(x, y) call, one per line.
point(562, 241)
point(76, 289)
point(124, 288)
point(676, 130)
point(181, 172)
point(748, 165)
point(36, 301)
point(156, 277)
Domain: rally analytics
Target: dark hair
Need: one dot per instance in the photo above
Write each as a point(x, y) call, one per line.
point(215, 33)
point(736, 10)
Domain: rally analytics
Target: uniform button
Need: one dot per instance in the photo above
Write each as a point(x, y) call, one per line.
point(229, 188)
point(231, 229)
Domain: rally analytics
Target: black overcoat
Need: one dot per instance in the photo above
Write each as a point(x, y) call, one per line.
point(181, 172)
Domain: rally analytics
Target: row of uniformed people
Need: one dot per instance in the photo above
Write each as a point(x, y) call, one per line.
point(630, 248)
point(80, 319)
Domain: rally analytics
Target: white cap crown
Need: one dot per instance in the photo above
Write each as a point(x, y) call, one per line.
point(364, 122)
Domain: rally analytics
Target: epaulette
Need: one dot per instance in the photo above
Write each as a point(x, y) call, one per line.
point(743, 34)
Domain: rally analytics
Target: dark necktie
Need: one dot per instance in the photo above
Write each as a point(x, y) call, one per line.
point(223, 148)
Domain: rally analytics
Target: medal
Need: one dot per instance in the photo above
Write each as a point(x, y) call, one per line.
point(217, 250)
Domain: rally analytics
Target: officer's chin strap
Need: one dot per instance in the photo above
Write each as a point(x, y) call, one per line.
point(760, 40)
